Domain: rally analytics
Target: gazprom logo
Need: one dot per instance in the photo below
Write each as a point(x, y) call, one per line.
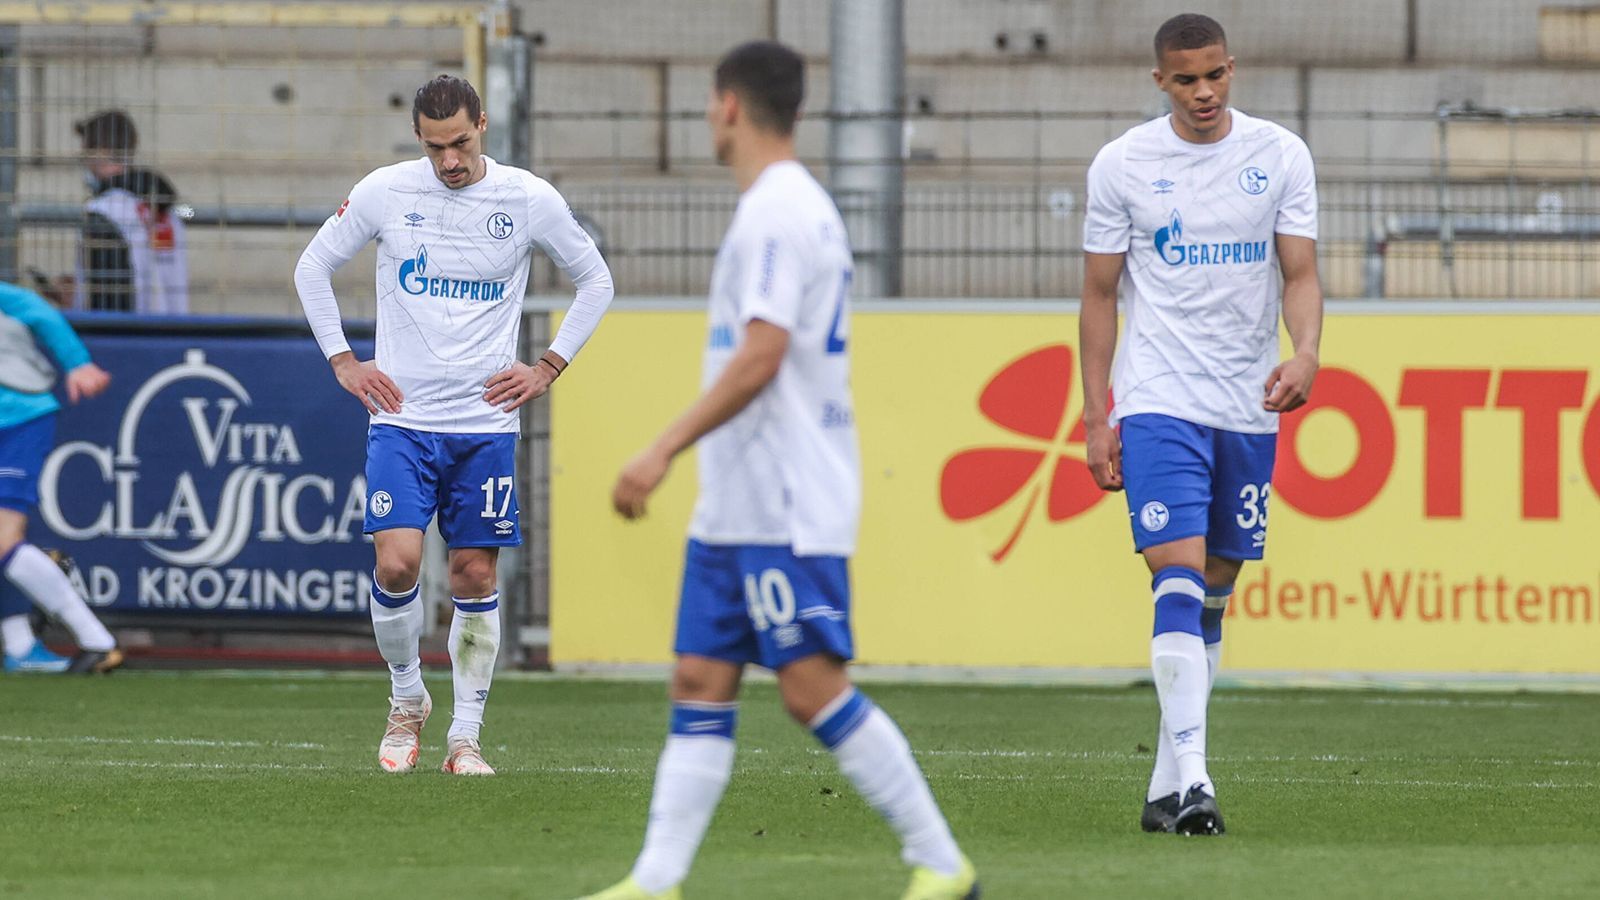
point(1170, 247)
point(415, 281)
point(1167, 246)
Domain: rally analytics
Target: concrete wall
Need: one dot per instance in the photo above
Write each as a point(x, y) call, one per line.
point(279, 118)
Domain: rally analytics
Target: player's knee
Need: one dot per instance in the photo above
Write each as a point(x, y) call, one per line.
point(398, 575)
point(698, 684)
point(472, 576)
point(804, 701)
point(801, 708)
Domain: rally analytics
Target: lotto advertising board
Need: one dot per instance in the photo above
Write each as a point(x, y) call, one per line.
point(220, 477)
point(1435, 509)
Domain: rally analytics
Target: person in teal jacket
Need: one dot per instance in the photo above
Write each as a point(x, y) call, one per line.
point(27, 431)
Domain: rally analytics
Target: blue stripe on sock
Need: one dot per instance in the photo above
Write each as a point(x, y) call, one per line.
point(1175, 610)
point(1211, 616)
point(704, 719)
point(844, 721)
point(390, 601)
point(477, 604)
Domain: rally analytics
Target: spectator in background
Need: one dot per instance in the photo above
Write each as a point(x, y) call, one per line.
point(132, 254)
point(27, 431)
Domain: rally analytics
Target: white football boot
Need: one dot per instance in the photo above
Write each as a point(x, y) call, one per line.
point(465, 757)
point(402, 738)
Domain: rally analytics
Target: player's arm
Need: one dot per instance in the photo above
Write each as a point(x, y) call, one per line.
point(53, 332)
point(1097, 344)
point(751, 369)
point(1289, 385)
point(1295, 234)
point(1107, 235)
point(562, 239)
point(336, 243)
point(769, 305)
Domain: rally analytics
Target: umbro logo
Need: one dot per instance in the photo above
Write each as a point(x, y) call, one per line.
point(1163, 186)
point(415, 220)
point(504, 526)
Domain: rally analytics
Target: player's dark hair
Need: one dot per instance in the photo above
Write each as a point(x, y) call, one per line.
point(1188, 31)
point(770, 79)
point(442, 97)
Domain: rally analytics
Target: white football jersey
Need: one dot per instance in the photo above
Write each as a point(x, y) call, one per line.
point(1201, 288)
point(451, 275)
point(786, 469)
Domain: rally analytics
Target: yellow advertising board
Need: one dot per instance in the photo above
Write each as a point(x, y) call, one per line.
point(1435, 509)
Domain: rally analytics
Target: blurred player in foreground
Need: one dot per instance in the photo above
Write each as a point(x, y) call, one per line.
point(27, 432)
point(1196, 214)
point(456, 233)
point(766, 578)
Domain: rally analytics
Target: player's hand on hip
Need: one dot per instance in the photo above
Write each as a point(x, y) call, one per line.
point(87, 380)
point(1105, 457)
point(1289, 385)
point(374, 389)
point(636, 482)
point(517, 385)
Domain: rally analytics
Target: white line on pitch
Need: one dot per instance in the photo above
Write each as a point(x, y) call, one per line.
point(166, 742)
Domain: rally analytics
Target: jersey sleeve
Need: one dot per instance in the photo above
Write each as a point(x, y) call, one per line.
point(772, 273)
point(1107, 224)
point(50, 328)
point(557, 233)
point(1297, 210)
point(350, 228)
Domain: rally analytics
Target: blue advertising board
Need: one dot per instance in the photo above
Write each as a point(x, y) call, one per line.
point(221, 476)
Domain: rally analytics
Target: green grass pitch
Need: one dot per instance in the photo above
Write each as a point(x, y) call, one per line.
point(182, 785)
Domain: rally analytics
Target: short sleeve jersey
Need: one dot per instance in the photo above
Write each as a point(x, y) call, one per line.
point(452, 271)
point(786, 469)
point(1201, 287)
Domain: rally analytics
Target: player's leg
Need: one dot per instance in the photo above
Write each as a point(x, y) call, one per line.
point(1164, 799)
point(474, 651)
point(800, 607)
point(714, 640)
point(24, 652)
point(1221, 574)
point(1167, 473)
point(400, 504)
point(875, 756)
point(1237, 529)
point(397, 621)
point(478, 514)
point(30, 570)
point(693, 770)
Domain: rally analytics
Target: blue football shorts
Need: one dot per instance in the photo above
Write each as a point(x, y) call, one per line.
point(1185, 480)
point(469, 480)
point(746, 603)
point(23, 448)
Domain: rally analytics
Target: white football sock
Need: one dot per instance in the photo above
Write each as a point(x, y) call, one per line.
point(16, 635)
point(1165, 778)
point(877, 759)
point(690, 779)
point(36, 575)
point(474, 647)
point(1178, 661)
point(399, 630)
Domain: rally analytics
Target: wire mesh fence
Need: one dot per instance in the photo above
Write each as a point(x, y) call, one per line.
point(259, 124)
point(1434, 182)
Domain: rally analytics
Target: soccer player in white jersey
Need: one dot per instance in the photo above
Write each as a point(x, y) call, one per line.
point(766, 576)
point(456, 233)
point(1207, 218)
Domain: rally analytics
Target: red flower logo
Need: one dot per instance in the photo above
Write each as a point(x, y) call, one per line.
point(1029, 397)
